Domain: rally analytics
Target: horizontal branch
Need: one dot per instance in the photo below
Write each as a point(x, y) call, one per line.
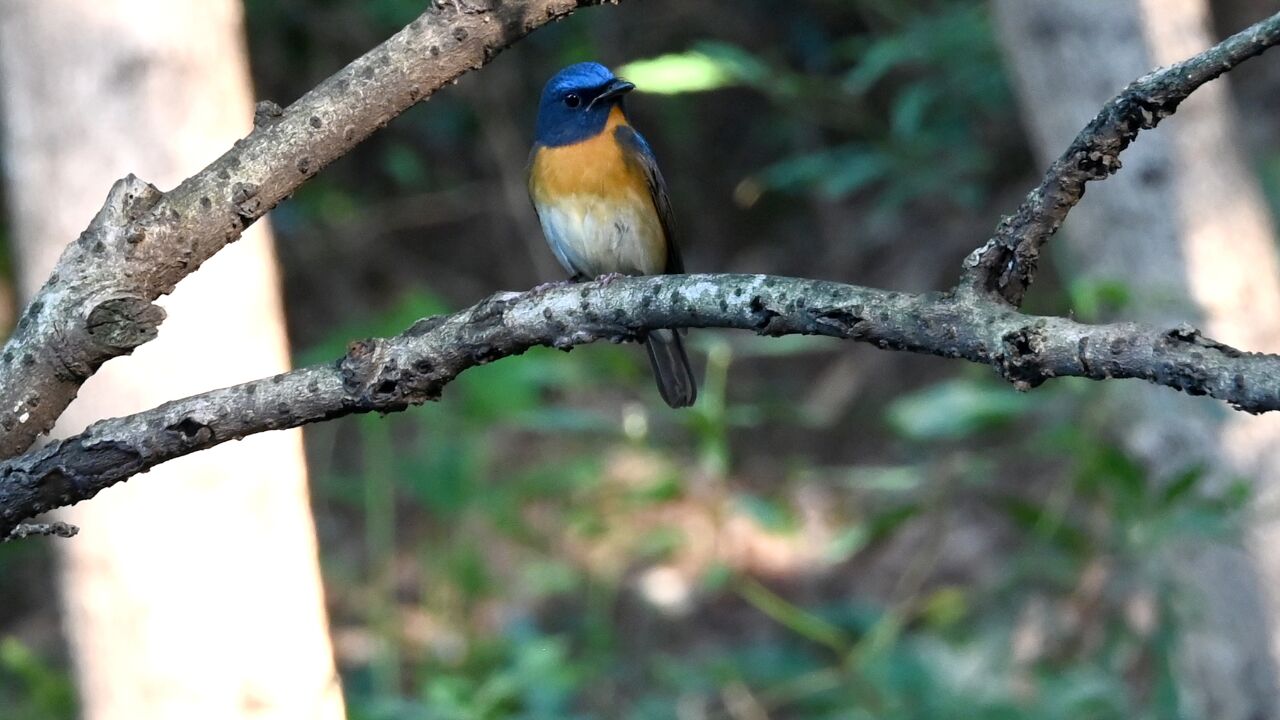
point(1006, 264)
point(97, 304)
point(386, 375)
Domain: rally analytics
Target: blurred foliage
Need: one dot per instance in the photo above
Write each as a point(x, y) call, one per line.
point(31, 687)
point(34, 681)
point(955, 409)
point(1270, 173)
point(919, 95)
point(694, 71)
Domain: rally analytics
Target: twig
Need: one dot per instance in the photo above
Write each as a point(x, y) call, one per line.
point(1005, 266)
point(52, 529)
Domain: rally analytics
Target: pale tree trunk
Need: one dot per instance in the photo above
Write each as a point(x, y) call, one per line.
point(193, 592)
point(1184, 226)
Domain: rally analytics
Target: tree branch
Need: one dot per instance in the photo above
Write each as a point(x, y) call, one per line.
point(1005, 266)
point(386, 375)
point(96, 305)
point(99, 298)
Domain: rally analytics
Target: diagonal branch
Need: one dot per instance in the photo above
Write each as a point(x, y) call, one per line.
point(386, 375)
point(1005, 266)
point(96, 305)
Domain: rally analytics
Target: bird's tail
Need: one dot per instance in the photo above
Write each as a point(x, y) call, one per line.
point(671, 368)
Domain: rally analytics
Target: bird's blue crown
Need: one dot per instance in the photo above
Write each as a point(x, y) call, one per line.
point(576, 103)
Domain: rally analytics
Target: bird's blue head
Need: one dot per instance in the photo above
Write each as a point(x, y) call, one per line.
point(576, 103)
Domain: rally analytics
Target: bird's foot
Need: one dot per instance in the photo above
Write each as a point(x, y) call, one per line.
point(609, 278)
point(539, 289)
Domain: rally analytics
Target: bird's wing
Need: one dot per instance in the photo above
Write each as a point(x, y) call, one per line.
point(636, 150)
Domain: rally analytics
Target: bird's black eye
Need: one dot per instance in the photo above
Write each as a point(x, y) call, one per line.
point(573, 100)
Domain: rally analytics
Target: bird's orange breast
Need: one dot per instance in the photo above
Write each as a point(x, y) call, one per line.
point(592, 167)
point(596, 207)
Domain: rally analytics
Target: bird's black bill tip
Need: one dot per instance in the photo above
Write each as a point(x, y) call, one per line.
point(615, 88)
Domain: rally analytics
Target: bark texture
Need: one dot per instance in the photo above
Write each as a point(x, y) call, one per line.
point(391, 374)
point(1184, 228)
point(167, 614)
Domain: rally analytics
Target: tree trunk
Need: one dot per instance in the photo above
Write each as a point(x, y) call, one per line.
point(193, 592)
point(1184, 227)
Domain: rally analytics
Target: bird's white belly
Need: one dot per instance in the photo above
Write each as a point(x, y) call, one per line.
point(592, 235)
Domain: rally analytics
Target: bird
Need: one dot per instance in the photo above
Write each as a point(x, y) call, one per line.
point(602, 202)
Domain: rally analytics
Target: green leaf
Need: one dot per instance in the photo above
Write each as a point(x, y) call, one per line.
point(945, 607)
point(884, 523)
point(740, 63)
point(910, 108)
point(708, 66)
point(1092, 299)
point(855, 172)
point(1120, 477)
point(1184, 483)
point(770, 514)
point(838, 171)
point(1049, 525)
point(955, 409)
point(410, 308)
point(47, 690)
point(847, 543)
point(793, 617)
point(879, 60)
point(686, 72)
point(404, 164)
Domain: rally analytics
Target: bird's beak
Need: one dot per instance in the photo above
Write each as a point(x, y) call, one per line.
point(616, 88)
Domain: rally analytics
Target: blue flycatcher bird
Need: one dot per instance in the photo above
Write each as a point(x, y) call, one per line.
point(602, 202)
